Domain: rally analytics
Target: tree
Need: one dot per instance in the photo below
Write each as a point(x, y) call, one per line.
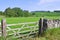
point(1, 13)
point(18, 11)
point(9, 12)
point(26, 13)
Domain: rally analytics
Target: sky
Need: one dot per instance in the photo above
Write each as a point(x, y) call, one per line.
point(31, 5)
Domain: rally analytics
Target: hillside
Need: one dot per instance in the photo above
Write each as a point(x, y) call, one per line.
point(45, 13)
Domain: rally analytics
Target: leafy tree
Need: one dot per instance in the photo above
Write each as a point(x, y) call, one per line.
point(1, 13)
point(26, 13)
point(9, 12)
point(18, 11)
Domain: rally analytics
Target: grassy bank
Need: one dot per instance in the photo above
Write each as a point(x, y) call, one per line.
point(51, 34)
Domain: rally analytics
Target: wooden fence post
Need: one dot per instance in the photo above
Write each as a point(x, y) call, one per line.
point(40, 26)
point(3, 26)
point(44, 25)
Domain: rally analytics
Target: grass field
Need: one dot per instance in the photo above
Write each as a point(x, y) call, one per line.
point(20, 19)
point(26, 19)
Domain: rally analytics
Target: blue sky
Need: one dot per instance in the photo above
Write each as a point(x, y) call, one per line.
point(31, 5)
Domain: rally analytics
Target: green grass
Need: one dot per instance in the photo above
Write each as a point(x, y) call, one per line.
point(51, 34)
point(12, 20)
point(39, 14)
point(21, 19)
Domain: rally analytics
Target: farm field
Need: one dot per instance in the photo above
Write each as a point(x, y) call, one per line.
point(20, 19)
point(12, 20)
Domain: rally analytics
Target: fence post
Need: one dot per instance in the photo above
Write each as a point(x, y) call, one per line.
point(44, 25)
point(3, 27)
point(40, 26)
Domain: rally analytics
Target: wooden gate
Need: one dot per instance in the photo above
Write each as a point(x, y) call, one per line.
point(19, 30)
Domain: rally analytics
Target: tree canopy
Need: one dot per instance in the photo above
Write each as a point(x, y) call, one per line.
point(15, 12)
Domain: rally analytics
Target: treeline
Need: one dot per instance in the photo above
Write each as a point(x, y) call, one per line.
point(18, 12)
point(15, 12)
point(46, 13)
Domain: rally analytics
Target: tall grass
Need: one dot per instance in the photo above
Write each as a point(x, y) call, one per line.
point(51, 34)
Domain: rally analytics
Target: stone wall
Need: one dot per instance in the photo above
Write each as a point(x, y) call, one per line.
point(53, 23)
point(47, 24)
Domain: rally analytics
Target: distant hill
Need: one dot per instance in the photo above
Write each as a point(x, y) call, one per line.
point(45, 13)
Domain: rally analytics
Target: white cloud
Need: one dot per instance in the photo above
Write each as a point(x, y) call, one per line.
point(46, 1)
